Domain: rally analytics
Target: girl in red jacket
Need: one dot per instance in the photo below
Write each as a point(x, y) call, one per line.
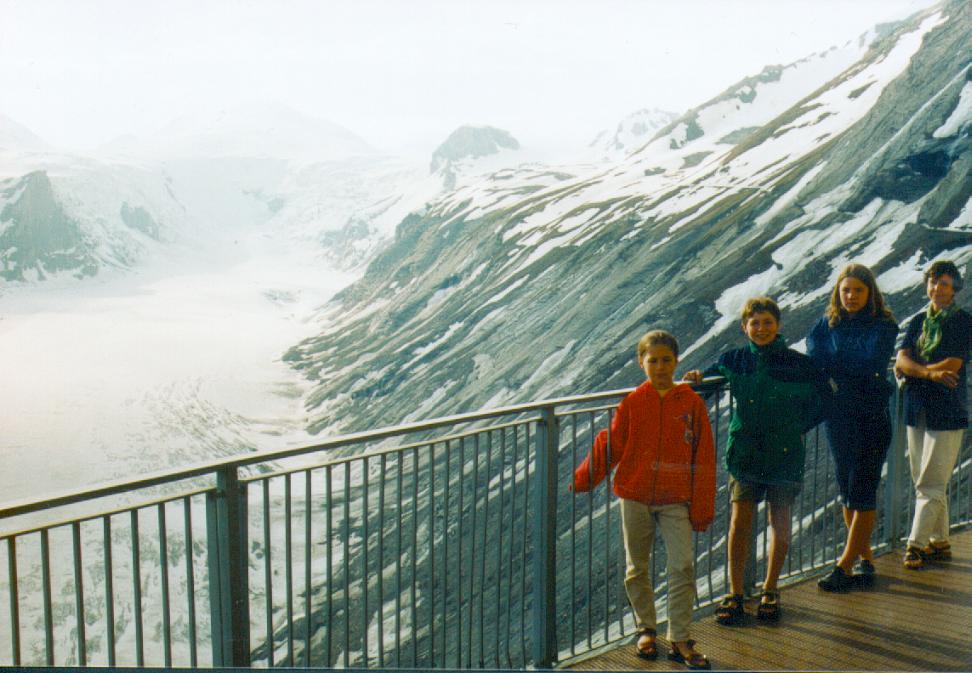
point(661, 445)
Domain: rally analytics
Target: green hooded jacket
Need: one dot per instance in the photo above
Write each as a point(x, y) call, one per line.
point(779, 395)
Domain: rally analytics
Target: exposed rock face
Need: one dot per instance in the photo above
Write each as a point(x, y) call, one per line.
point(538, 283)
point(464, 146)
point(36, 236)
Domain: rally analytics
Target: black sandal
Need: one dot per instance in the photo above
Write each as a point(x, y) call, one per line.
point(730, 609)
point(769, 606)
point(651, 652)
point(697, 661)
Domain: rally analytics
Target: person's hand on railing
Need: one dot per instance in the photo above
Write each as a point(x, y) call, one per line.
point(694, 376)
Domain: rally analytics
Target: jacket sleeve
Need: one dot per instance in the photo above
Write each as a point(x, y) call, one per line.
point(816, 349)
point(595, 466)
point(822, 402)
point(702, 505)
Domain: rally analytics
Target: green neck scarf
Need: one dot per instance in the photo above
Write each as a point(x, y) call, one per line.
point(931, 329)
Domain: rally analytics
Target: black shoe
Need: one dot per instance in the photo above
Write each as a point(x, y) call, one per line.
point(837, 581)
point(864, 573)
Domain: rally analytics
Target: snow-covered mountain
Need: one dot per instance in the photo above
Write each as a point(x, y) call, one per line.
point(245, 131)
point(15, 137)
point(631, 133)
point(537, 282)
point(64, 216)
point(471, 151)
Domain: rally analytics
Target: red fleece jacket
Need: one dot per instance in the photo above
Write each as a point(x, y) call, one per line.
point(662, 448)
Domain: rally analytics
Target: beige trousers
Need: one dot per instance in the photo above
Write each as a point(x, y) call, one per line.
point(638, 523)
point(932, 455)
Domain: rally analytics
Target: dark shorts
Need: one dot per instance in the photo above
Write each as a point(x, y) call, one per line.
point(757, 491)
point(859, 444)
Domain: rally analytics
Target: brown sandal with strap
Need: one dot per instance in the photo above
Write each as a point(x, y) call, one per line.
point(651, 652)
point(769, 606)
point(914, 558)
point(696, 661)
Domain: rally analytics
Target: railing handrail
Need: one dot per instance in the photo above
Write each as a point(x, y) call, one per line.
point(159, 478)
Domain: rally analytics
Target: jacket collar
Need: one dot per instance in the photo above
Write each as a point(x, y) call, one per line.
point(777, 345)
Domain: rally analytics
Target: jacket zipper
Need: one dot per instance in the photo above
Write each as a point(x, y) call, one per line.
point(654, 481)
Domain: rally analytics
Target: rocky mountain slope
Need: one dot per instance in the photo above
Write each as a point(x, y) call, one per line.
point(538, 282)
point(63, 216)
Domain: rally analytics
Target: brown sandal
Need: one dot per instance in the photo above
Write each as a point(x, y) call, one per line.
point(769, 606)
point(914, 558)
point(651, 652)
point(730, 609)
point(697, 661)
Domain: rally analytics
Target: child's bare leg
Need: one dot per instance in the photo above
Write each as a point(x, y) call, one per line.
point(779, 542)
point(858, 539)
point(740, 527)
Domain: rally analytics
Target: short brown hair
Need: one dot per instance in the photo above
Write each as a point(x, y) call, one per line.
point(756, 305)
point(945, 267)
point(657, 337)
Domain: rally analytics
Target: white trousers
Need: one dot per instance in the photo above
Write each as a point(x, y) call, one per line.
point(638, 523)
point(932, 455)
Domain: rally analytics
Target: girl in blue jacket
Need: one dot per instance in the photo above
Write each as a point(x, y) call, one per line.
point(853, 343)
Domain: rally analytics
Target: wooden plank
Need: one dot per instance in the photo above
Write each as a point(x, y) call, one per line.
point(909, 621)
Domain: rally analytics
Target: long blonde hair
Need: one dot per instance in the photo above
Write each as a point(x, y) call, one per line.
point(875, 300)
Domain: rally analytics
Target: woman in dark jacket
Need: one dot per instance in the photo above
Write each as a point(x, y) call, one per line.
point(853, 343)
point(932, 358)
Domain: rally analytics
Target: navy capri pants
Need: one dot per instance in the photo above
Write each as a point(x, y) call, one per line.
point(859, 444)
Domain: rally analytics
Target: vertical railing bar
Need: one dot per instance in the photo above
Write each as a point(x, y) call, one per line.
point(329, 567)
point(523, 558)
point(445, 554)
point(289, 566)
point(78, 592)
point(381, 561)
point(365, 478)
point(573, 538)
point(607, 532)
point(717, 407)
point(308, 560)
point(414, 596)
point(459, 540)
point(432, 554)
point(590, 549)
point(227, 531)
point(398, 562)
point(137, 589)
point(214, 566)
point(347, 564)
point(513, 540)
point(499, 547)
point(109, 592)
point(190, 583)
point(544, 604)
point(48, 609)
point(472, 549)
point(14, 601)
point(813, 521)
point(164, 569)
point(485, 546)
point(268, 571)
point(509, 569)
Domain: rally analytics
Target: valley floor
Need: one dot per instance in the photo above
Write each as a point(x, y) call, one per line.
point(136, 371)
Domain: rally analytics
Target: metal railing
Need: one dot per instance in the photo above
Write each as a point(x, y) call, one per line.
point(451, 543)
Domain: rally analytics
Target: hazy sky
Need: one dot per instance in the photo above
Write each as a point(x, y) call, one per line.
point(400, 73)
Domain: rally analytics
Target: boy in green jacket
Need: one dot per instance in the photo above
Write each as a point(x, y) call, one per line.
point(779, 395)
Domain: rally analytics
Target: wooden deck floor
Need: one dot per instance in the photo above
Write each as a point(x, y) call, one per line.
point(910, 621)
